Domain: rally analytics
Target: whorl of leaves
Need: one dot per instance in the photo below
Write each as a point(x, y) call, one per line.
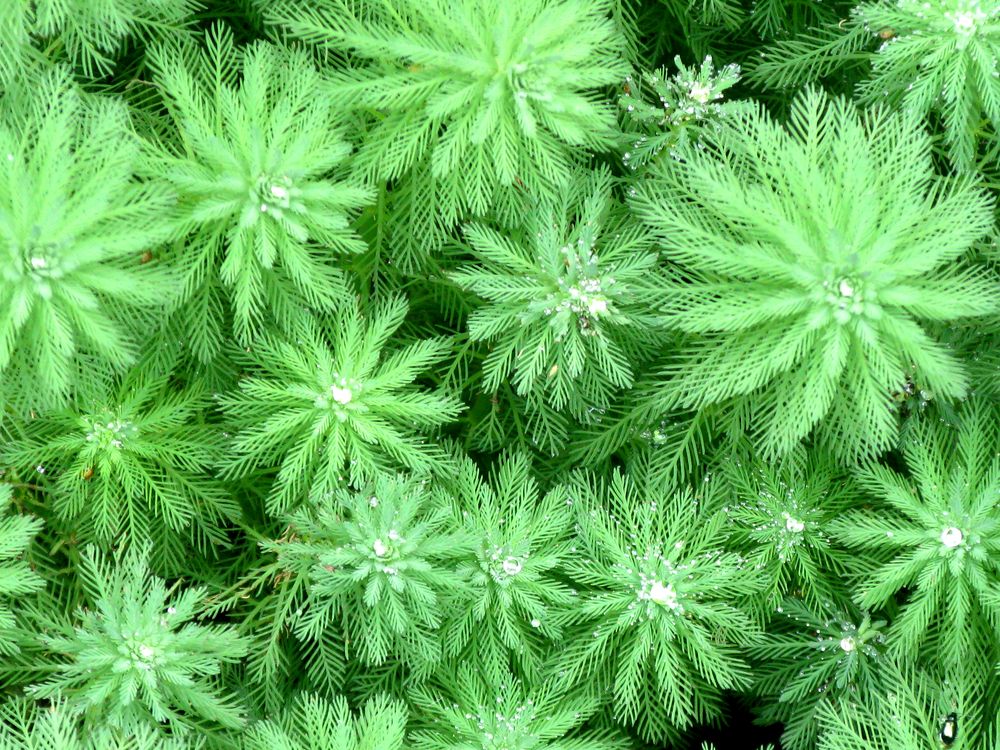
point(74, 224)
point(660, 621)
point(251, 163)
point(483, 100)
point(933, 534)
point(134, 660)
point(382, 568)
point(333, 404)
point(132, 461)
point(570, 306)
point(814, 264)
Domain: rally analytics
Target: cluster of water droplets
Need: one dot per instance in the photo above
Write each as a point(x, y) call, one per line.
point(506, 725)
point(338, 395)
point(968, 18)
point(656, 591)
point(852, 639)
point(783, 519)
point(385, 549)
point(790, 528)
point(690, 96)
point(582, 291)
point(502, 564)
point(654, 578)
point(957, 535)
point(111, 431)
point(376, 543)
point(840, 638)
point(657, 434)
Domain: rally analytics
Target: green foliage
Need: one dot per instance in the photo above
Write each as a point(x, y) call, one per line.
point(814, 658)
point(255, 146)
point(519, 599)
point(16, 575)
point(132, 462)
point(568, 313)
point(934, 534)
point(821, 53)
point(500, 374)
point(55, 728)
point(660, 626)
point(942, 57)
point(496, 714)
point(766, 18)
point(316, 724)
point(332, 401)
point(938, 56)
point(685, 103)
point(908, 714)
point(381, 567)
point(780, 515)
point(135, 660)
point(74, 223)
point(810, 278)
point(89, 34)
point(483, 99)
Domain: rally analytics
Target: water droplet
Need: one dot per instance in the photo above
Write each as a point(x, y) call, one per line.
point(951, 537)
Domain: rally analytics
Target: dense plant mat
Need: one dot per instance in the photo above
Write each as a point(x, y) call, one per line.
point(501, 374)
